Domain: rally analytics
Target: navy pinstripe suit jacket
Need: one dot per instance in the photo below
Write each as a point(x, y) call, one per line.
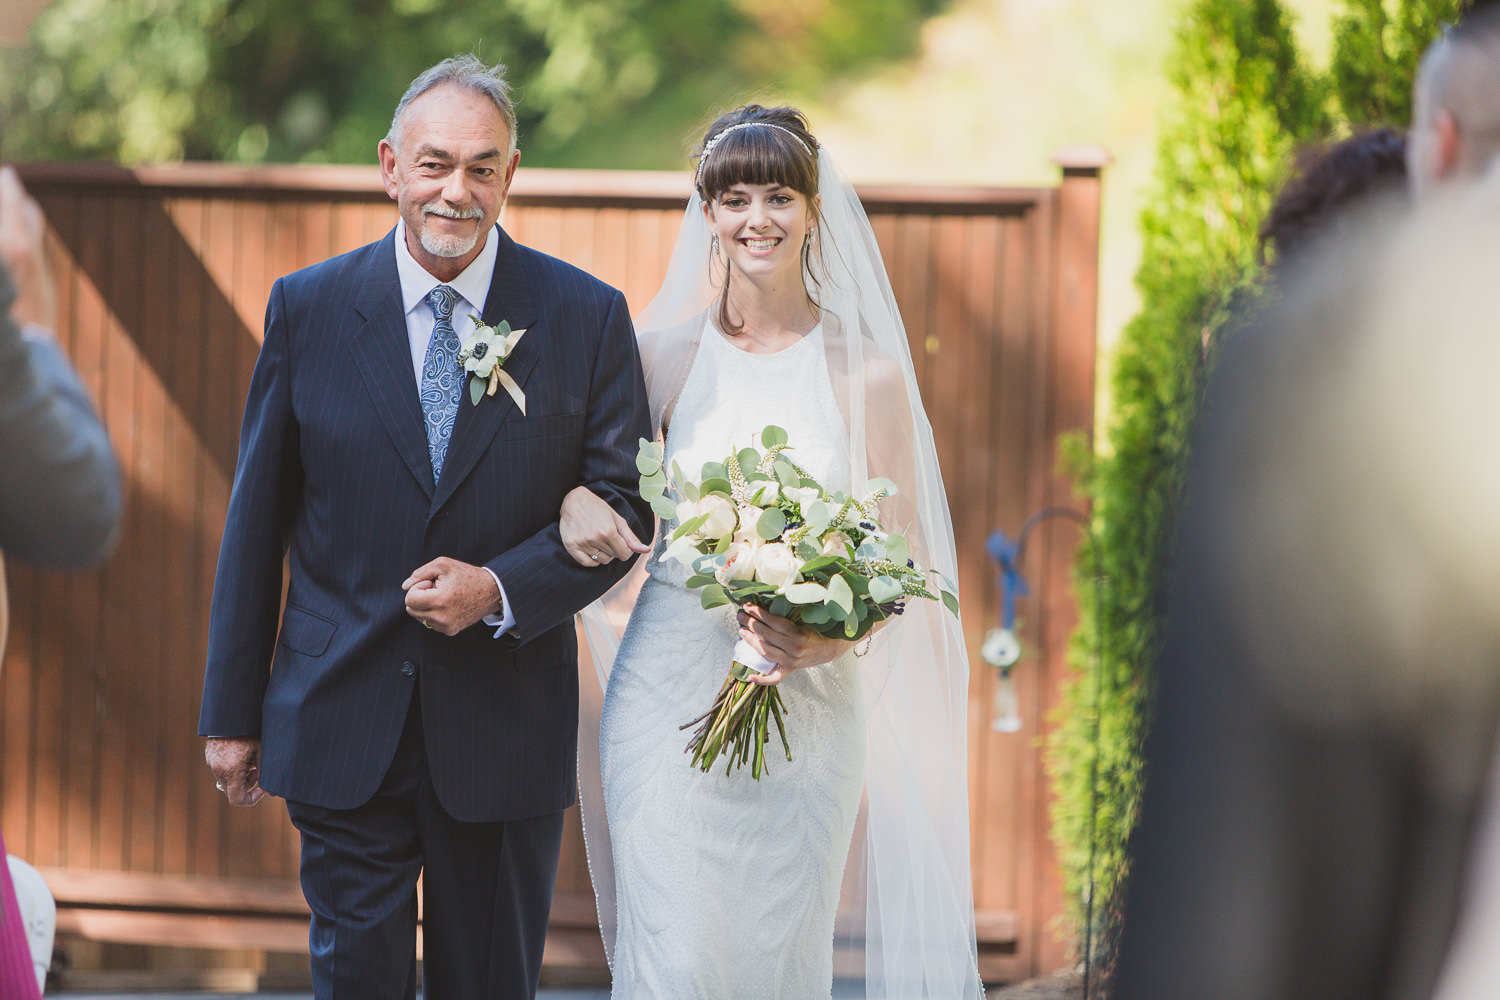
point(333, 468)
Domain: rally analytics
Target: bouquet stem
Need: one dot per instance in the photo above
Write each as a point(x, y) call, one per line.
point(738, 725)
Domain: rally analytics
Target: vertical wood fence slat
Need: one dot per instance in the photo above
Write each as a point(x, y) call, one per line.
point(164, 275)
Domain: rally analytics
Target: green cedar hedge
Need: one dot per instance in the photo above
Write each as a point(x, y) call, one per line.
point(1244, 99)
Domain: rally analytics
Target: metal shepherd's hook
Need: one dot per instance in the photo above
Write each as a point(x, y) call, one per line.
point(1001, 650)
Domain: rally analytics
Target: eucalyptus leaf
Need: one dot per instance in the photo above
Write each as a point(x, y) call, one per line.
point(720, 486)
point(950, 600)
point(785, 474)
point(646, 462)
point(895, 548)
point(806, 593)
point(663, 507)
point(840, 594)
point(748, 458)
point(749, 588)
point(477, 386)
point(690, 491)
point(699, 580)
point(820, 563)
point(771, 524)
point(818, 514)
point(713, 596)
point(780, 606)
point(773, 436)
point(817, 614)
point(880, 483)
point(884, 589)
point(713, 470)
point(857, 583)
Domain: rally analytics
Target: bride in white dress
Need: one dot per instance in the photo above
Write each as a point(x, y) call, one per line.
point(850, 861)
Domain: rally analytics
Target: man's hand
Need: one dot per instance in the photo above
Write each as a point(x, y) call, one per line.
point(448, 596)
point(21, 229)
point(236, 767)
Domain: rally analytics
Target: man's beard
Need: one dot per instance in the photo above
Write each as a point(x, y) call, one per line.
point(444, 245)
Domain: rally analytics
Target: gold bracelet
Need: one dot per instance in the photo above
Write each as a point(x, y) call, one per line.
point(869, 638)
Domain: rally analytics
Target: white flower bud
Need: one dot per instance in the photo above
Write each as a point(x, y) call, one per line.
point(836, 543)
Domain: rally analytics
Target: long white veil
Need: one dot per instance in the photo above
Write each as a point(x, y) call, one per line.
point(906, 915)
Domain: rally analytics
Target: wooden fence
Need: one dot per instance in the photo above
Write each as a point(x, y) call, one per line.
point(163, 277)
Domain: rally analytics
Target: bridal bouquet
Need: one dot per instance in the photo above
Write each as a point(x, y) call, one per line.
point(757, 529)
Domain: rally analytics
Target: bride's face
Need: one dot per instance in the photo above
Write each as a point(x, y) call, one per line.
point(761, 227)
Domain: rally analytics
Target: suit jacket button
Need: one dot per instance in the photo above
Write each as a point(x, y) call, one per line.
point(408, 668)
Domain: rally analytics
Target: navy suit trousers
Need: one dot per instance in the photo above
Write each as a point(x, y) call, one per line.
point(487, 892)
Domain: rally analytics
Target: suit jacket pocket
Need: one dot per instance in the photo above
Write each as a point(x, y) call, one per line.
point(305, 632)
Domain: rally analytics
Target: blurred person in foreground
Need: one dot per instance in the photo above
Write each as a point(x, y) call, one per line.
point(1329, 687)
point(417, 707)
point(1329, 189)
point(60, 495)
point(1454, 145)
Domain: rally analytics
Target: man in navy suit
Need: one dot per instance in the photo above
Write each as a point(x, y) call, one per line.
point(417, 709)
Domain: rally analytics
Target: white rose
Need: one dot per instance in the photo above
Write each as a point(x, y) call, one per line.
point(777, 565)
point(721, 516)
point(686, 511)
point(739, 564)
point(749, 514)
point(836, 543)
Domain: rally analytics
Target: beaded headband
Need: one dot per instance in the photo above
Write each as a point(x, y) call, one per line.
point(713, 143)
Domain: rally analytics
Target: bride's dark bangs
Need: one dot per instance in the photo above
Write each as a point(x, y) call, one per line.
point(759, 156)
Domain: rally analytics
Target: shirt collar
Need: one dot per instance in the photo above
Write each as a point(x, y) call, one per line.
point(473, 283)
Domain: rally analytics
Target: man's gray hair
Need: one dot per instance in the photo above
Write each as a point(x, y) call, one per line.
point(467, 71)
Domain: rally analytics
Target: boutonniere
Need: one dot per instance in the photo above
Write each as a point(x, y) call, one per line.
point(484, 354)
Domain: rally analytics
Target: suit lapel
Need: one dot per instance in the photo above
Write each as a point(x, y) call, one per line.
point(382, 353)
point(512, 297)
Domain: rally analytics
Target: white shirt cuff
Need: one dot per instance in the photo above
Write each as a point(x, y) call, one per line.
point(503, 623)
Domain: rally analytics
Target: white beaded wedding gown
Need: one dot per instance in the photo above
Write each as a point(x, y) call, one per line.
point(727, 887)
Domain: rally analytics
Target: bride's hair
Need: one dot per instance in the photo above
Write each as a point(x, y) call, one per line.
point(781, 150)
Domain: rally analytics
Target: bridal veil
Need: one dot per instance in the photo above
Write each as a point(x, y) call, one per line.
point(906, 917)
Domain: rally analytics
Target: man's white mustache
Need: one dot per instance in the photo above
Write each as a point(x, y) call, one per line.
point(474, 212)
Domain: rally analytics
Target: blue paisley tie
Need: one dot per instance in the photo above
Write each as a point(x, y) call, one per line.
point(441, 377)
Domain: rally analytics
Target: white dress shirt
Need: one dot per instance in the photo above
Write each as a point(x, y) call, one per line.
point(473, 287)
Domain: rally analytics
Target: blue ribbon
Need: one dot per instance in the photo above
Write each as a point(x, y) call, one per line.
point(1012, 583)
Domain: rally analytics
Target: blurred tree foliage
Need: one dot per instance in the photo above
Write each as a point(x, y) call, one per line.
point(1245, 100)
point(605, 83)
point(1376, 47)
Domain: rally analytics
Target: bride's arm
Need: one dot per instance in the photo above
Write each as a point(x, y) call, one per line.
point(592, 533)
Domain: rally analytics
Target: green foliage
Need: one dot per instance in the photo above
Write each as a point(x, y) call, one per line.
point(600, 82)
point(1376, 47)
point(1244, 99)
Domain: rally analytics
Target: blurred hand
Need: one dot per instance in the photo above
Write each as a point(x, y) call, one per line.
point(21, 250)
point(592, 532)
point(236, 767)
